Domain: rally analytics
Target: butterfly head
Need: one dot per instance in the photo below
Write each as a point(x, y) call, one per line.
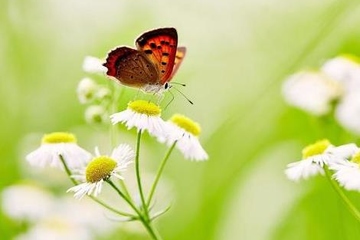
point(156, 88)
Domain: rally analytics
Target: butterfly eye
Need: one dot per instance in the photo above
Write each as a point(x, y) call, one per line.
point(166, 85)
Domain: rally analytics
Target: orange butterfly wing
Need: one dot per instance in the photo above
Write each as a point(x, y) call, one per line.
point(131, 67)
point(180, 54)
point(160, 46)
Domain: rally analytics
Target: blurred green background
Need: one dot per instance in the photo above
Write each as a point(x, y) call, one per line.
point(239, 52)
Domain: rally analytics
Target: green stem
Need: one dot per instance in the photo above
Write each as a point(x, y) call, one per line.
point(68, 172)
point(351, 207)
point(125, 190)
point(138, 177)
point(141, 217)
point(159, 172)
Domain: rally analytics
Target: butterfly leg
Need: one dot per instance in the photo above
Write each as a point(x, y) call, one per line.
point(172, 99)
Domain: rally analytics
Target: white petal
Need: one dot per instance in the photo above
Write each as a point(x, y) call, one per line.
point(302, 170)
point(348, 176)
point(123, 154)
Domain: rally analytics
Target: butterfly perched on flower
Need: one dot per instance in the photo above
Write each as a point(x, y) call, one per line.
point(152, 65)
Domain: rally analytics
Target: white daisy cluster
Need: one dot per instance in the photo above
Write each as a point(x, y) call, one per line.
point(343, 160)
point(145, 115)
point(96, 96)
point(60, 150)
point(335, 85)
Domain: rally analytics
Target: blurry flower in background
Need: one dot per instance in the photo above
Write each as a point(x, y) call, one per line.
point(312, 92)
point(95, 114)
point(348, 113)
point(50, 217)
point(56, 228)
point(56, 145)
point(26, 202)
point(101, 168)
point(86, 90)
point(346, 70)
point(103, 93)
point(347, 172)
point(93, 65)
point(143, 115)
point(186, 132)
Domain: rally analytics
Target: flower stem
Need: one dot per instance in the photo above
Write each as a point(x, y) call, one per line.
point(351, 207)
point(159, 172)
point(141, 217)
point(68, 172)
point(138, 177)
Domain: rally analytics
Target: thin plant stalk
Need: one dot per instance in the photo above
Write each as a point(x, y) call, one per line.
point(351, 207)
point(159, 172)
point(138, 176)
point(142, 217)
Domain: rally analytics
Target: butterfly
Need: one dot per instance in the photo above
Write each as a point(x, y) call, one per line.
point(151, 66)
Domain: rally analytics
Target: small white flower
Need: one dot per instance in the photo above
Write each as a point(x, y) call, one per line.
point(312, 92)
point(55, 145)
point(348, 113)
point(143, 115)
point(344, 69)
point(347, 173)
point(93, 65)
point(86, 90)
point(95, 114)
point(26, 202)
point(102, 168)
point(103, 93)
point(313, 160)
point(315, 156)
point(185, 132)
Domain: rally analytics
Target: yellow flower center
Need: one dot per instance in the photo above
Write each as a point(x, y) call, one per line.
point(356, 158)
point(186, 123)
point(99, 168)
point(58, 137)
point(145, 107)
point(317, 148)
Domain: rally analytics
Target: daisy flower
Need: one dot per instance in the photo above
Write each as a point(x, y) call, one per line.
point(21, 202)
point(101, 168)
point(143, 115)
point(93, 65)
point(312, 92)
point(346, 70)
point(315, 156)
point(86, 90)
point(95, 114)
point(56, 145)
point(347, 173)
point(185, 132)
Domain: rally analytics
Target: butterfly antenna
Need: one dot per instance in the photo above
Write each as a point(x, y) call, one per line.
point(184, 96)
point(181, 84)
point(172, 99)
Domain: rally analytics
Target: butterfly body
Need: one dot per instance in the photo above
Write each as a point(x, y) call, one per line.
point(152, 65)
